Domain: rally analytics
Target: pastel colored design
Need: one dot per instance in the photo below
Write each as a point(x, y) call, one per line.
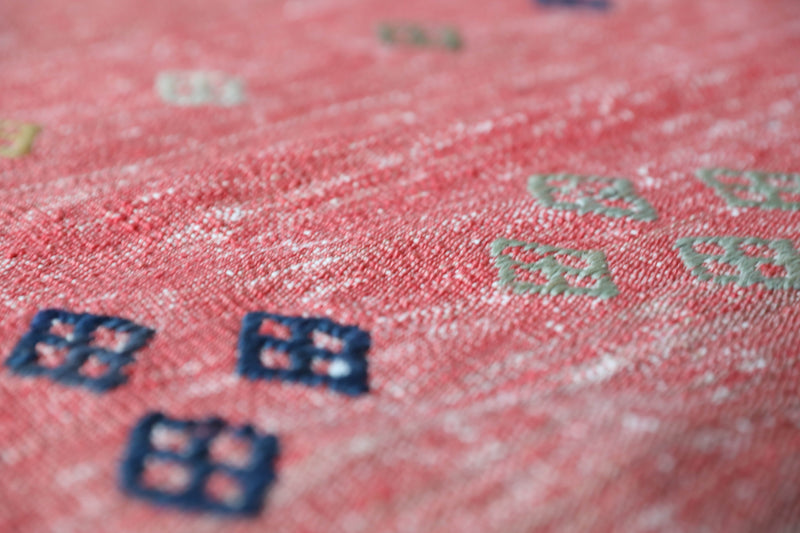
point(16, 138)
point(612, 197)
point(743, 261)
point(765, 190)
point(529, 267)
point(196, 88)
point(416, 35)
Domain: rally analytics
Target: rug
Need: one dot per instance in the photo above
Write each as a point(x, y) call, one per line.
point(420, 266)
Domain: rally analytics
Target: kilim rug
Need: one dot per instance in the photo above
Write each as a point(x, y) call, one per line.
point(418, 266)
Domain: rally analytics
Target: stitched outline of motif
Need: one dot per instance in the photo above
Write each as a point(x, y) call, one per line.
point(596, 4)
point(206, 88)
point(21, 136)
point(24, 358)
point(415, 35)
point(554, 270)
point(302, 352)
point(254, 479)
point(759, 183)
point(616, 189)
point(748, 266)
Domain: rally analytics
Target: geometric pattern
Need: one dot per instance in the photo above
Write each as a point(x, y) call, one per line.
point(343, 370)
point(196, 88)
point(84, 359)
point(743, 261)
point(597, 4)
point(613, 197)
point(202, 475)
point(414, 35)
point(767, 190)
point(16, 138)
point(538, 268)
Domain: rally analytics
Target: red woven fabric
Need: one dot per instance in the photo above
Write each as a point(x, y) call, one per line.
point(366, 182)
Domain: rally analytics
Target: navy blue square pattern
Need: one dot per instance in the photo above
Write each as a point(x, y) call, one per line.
point(597, 4)
point(344, 370)
point(183, 470)
point(81, 349)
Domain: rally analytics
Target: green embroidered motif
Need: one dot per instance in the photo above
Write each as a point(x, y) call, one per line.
point(412, 34)
point(613, 197)
point(199, 87)
point(744, 261)
point(528, 267)
point(767, 190)
point(16, 138)
point(451, 39)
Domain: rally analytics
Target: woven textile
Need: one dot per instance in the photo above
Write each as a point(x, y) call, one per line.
point(532, 266)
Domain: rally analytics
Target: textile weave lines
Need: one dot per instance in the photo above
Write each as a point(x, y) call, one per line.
point(366, 181)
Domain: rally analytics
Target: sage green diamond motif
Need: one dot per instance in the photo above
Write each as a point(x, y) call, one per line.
point(413, 34)
point(743, 261)
point(612, 197)
point(765, 190)
point(550, 270)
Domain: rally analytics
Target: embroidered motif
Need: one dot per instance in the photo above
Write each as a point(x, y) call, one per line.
point(613, 197)
point(195, 88)
point(766, 190)
point(528, 267)
point(185, 464)
point(73, 349)
point(346, 370)
point(744, 261)
point(16, 138)
point(412, 34)
point(596, 4)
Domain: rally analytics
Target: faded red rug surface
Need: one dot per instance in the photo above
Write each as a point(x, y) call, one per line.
point(420, 266)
